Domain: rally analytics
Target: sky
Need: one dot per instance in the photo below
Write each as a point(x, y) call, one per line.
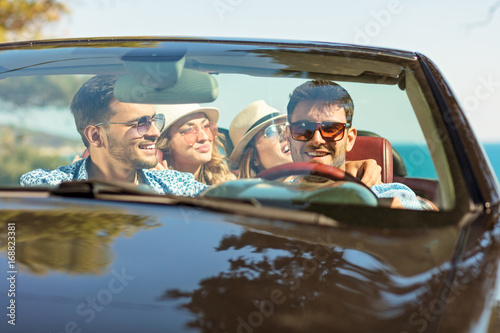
point(459, 36)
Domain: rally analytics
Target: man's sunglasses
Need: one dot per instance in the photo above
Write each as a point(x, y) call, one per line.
point(142, 124)
point(192, 133)
point(330, 131)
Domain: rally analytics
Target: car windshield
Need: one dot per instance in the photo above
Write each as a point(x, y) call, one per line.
point(224, 113)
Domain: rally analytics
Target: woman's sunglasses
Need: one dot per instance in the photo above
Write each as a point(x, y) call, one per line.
point(330, 131)
point(275, 132)
point(192, 134)
point(143, 124)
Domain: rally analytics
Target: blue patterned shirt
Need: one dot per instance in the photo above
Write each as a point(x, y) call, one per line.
point(408, 198)
point(161, 181)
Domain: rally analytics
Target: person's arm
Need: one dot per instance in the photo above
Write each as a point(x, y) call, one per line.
point(163, 165)
point(66, 173)
point(76, 158)
point(397, 195)
point(391, 203)
point(368, 171)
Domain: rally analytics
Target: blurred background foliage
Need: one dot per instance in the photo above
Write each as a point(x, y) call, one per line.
point(40, 90)
point(25, 19)
point(22, 149)
point(21, 153)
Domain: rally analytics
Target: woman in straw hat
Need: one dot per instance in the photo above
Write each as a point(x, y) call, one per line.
point(257, 133)
point(191, 143)
point(258, 136)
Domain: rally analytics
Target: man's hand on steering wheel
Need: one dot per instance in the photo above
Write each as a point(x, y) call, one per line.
point(368, 171)
point(308, 169)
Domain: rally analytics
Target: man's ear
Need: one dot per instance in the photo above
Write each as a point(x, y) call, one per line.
point(94, 136)
point(352, 133)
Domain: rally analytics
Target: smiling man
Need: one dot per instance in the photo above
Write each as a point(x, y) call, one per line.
point(320, 124)
point(121, 140)
point(320, 115)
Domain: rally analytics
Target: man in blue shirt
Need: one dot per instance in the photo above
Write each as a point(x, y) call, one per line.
point(320, 116)
point(121, 140)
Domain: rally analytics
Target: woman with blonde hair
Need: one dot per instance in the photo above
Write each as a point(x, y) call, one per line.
point(191, 143)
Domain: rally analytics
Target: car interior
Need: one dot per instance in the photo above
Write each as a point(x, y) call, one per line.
point(230, 80)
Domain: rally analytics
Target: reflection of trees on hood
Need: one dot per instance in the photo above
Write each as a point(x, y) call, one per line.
point(68, 242)
point(278, 284)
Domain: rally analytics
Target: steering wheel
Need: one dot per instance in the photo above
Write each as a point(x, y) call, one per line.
point(297, 196)
point(309, 169)
point(314, 169)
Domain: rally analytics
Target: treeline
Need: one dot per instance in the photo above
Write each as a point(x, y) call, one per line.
point(26, 19)
point(40, 90)
point(19, 155)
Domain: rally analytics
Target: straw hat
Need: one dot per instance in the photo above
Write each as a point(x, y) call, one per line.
point(248, 123)
point(174, 112)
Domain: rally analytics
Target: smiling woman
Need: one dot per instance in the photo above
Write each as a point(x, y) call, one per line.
point(191, 143)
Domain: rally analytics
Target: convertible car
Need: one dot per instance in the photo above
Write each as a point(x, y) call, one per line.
point(246, 255)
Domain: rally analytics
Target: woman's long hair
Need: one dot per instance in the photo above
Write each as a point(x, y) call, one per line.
point(215, 171)
point(247, 166)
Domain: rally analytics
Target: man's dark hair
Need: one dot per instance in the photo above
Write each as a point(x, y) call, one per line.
point(321, 90)
point(90, 105)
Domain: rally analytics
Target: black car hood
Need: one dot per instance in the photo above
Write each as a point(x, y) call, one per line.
point(105, 266)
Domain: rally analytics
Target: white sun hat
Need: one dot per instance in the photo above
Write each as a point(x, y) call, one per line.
point(255, 117)
point(174, 112)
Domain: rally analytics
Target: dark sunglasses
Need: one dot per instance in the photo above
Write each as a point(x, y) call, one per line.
point(330, 131)
point(142, 124)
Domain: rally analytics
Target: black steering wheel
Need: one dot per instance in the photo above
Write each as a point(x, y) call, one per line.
point(310, 169)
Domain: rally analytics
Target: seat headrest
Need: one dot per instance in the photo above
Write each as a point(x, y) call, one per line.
point(377, 148)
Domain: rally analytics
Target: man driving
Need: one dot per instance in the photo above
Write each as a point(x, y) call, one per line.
point(320, 116)
point(121, 139)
